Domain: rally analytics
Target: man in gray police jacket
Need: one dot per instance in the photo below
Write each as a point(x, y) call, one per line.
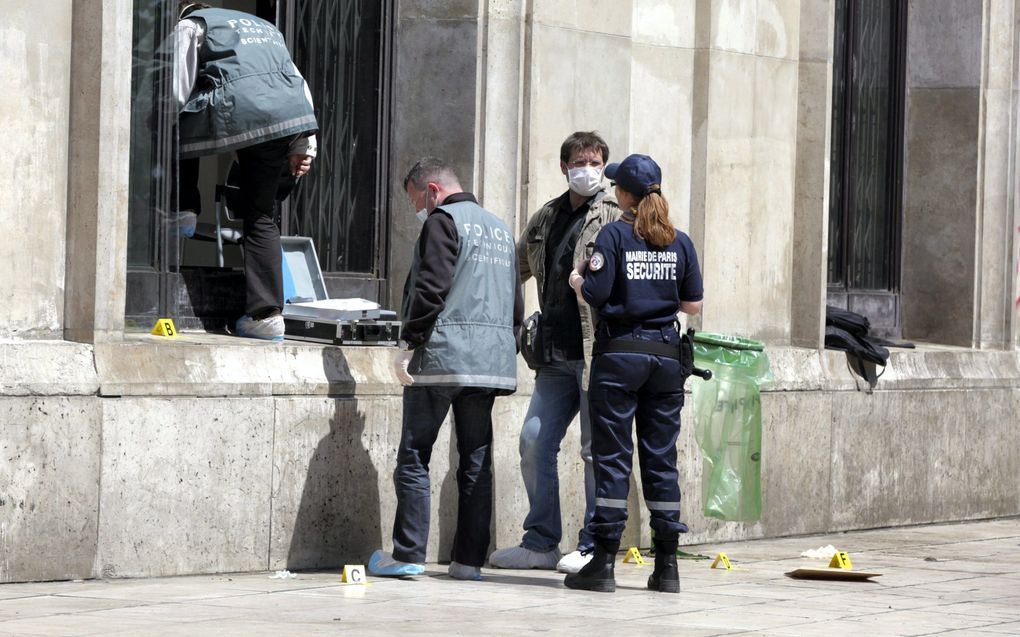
point(462, 310)
point(238, 90)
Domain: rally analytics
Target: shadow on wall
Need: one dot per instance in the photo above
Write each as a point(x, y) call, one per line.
point(338, 519)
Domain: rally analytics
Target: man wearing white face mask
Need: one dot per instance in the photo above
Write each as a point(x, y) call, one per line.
point(560, 234)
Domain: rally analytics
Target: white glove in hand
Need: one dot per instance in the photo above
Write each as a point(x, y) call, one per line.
point(400, 363)
point(576, 280)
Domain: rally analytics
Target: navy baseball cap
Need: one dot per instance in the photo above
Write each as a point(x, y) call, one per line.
point(637, 174)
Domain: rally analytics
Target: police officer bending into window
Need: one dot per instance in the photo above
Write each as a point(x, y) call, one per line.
point(238, 90)
point(641, 273)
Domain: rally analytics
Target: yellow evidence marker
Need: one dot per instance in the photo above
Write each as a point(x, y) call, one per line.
point(839, 568)
point(634, 556)
point(164, 327)
point(724, 560)
point(354, 574)
point(841, 560)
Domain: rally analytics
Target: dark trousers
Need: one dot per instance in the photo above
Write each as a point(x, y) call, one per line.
point(261, 170)
point(188, 195)
point(625, 388)
point(425, 408)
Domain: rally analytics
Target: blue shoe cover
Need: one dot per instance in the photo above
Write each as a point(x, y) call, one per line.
point(382, 563)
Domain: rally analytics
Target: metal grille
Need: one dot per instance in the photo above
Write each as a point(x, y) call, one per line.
point(340, 49)
point(867, 142)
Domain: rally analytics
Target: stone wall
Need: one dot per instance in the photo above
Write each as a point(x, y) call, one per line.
point(119, 473)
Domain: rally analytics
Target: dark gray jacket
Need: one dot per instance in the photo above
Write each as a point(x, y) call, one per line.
point(247, 91)
point(472, 341)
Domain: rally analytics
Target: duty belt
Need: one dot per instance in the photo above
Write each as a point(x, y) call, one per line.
point(682, 350)
point(629, 346)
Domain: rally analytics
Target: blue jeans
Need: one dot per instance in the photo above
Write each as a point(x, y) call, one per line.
point(425, 408)
point(556, 400)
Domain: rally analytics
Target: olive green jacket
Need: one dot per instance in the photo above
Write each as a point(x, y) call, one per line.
point(531, 255)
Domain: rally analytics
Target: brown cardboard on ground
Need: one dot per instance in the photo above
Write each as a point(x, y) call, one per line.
point(831, 573)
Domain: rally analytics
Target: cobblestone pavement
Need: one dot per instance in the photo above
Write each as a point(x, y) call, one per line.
point(952, 579)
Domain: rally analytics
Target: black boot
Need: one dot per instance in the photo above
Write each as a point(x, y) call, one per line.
point(597, 574)
point(666, 577)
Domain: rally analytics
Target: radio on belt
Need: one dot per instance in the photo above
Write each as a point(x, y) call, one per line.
point(309, 315)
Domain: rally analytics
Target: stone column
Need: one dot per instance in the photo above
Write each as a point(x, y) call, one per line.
point(501, 71)
point(745, 138)
point(435, 92)
point(996, 304)
point(99, 152)
point(811, 192)
point(662, 95)
point(35, 74)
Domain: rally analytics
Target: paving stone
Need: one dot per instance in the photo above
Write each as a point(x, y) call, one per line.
point(913, 597)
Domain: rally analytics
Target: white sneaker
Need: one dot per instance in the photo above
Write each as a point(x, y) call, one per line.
point(520, 557)
point(573, 562)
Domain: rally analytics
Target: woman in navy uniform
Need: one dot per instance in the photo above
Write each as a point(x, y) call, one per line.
point(643, 271)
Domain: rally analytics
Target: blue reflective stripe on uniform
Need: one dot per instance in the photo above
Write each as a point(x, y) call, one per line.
point(663, 506)
point(610, 503)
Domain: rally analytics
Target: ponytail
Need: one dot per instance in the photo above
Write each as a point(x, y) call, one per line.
point(652, 222)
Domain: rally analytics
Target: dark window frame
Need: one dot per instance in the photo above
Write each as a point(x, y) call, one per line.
point(879, 301)
point(207, 297)
point(369, 281)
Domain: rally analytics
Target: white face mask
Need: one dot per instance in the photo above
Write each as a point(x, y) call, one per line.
point(423, 214)
point(585, 181)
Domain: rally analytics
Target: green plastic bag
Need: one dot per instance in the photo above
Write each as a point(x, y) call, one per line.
point(727, 424)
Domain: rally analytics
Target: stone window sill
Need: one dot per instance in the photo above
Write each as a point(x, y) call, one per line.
point(208, 365)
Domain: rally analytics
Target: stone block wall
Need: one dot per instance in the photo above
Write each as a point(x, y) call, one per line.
point(125, 482)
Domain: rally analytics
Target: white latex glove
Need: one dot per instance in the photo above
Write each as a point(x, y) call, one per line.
point(400, 363)
point(576, 281)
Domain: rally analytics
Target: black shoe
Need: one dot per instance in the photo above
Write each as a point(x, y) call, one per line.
point(666, 577)
point(598, 574)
